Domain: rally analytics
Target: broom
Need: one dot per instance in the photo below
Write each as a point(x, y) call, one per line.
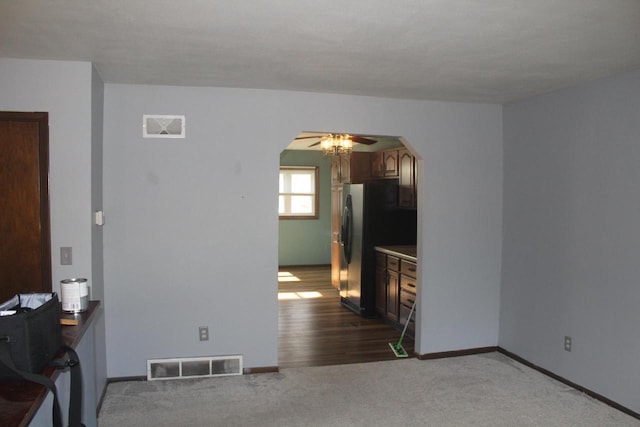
point(397, 347)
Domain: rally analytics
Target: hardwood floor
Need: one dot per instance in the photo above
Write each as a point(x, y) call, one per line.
point(314, 329)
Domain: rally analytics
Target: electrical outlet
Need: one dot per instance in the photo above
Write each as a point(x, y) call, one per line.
point(204, 333)
point(567, 343)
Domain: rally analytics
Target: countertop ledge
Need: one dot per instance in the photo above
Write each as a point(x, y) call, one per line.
point(20, 399)
point(406, 252)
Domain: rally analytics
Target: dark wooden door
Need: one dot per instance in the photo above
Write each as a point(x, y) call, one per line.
point(25, 243)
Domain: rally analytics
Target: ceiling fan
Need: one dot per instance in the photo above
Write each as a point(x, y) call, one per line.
point(353, 138)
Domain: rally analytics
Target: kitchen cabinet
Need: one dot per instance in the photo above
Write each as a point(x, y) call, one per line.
point(396, 285)
point(377, 164)
point(381, 283)
point(384, 164)
point(387, 286)
point(407, 179)
point(340, 170)
point(393, 280)
point(397, 163)
point(408, 288)
point(390, 158)
point(352, 169)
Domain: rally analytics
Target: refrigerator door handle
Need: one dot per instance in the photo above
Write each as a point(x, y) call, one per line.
point(347, 229)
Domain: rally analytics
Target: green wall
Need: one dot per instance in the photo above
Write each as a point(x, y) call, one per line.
point(307, 241)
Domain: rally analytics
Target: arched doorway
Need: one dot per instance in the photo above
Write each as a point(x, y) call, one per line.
point(317, 325)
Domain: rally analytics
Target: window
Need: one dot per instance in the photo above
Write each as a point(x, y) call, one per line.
point(298, 197)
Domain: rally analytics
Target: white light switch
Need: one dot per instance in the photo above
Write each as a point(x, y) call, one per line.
point(99, 218)
point(66, 255)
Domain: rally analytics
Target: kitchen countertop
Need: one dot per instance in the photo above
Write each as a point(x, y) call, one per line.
point(407, 252)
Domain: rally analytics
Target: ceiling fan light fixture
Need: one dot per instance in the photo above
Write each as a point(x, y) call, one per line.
point(336, 145)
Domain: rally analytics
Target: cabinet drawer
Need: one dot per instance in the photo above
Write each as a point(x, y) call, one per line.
point(408, 283)
point(408, 268)
point(406, 299)
point(393, 263)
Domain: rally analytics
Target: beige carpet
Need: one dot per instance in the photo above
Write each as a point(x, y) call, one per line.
point(482, 390)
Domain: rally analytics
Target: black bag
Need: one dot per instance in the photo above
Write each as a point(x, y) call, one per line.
point(30, 338)
point(33, 333)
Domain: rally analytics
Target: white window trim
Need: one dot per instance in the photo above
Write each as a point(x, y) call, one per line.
point(315, 194)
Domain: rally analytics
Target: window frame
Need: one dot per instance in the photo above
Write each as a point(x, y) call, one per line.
point(315, 194)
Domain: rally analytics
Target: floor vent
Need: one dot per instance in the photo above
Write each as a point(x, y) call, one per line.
point(193, 367)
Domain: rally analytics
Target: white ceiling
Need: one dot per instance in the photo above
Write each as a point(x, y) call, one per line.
point(455, 50)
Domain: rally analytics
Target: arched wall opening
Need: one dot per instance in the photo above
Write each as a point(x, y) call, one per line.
point(301, 240)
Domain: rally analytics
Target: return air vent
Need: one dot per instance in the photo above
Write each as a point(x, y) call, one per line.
point(193, 367)
point(154, 126)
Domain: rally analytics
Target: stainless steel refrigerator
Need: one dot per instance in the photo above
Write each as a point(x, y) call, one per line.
point(370, 217)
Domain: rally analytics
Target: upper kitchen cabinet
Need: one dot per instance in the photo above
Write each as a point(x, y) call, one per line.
point(407, 179)
point(377, 164)
point(352, 169)
point(360, 167)
point(390, 163)
point(384, 164)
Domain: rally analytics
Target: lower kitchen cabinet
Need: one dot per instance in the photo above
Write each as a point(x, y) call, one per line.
point(381, 283)
point(393, 279)
point(396, 286)
point(408, 287)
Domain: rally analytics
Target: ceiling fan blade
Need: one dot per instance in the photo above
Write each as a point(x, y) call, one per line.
point(363, 140)
point(354, 138)
point(308, 137)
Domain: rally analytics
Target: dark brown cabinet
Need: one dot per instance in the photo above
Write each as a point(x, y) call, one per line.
point(393, 280)
point(384, 164)
point(399, 164)
point(352, 169)
point(407, 179)
point(387, 285)
point(381, 283)
point(377, 164)
point(396, 286)
point(408, 287)
point(390, 158)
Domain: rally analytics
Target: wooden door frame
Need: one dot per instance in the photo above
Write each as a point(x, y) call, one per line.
point(42, 119)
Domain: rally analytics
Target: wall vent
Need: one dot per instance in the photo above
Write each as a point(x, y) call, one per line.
point(193, 367)
point(154, 126)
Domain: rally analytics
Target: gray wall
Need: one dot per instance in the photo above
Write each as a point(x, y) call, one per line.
point(571, 246)
point(63, 89)
point(192, 227)
point(72, 94)
point(97, 235)
point(307, 241)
